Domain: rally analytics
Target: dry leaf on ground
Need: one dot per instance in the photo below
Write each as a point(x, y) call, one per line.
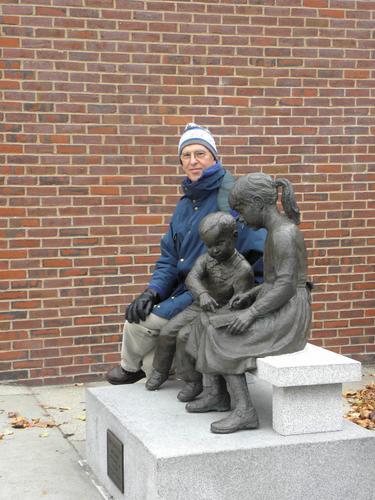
point(7, 434)
point(20, 422)
point(60, 408)
point(37, 422)
point(362, 404)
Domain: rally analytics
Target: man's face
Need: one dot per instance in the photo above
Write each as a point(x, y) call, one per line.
point(195, 160)
point(220, 244)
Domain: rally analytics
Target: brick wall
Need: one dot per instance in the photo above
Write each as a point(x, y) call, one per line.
point(94, 96)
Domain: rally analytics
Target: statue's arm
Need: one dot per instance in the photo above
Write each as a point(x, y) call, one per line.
point(194, 280)
point(195, 283)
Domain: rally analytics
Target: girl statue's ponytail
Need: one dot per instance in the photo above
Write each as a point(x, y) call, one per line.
point(288, 200)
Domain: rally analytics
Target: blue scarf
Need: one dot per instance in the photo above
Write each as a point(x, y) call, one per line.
point(210, 180)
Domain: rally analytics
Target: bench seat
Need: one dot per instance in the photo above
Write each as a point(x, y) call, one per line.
point(307, 389)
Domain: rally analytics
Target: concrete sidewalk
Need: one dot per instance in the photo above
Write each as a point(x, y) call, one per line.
point(37, 463)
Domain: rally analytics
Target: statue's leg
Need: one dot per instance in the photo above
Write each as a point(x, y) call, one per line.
point(166, 347)
point(185, 367)
point(243, 414)
point(215, 396)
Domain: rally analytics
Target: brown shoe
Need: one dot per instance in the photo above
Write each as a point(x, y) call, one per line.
point(118, 376)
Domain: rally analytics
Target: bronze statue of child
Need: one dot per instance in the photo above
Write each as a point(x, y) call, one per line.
point(274, 317)
point(217, 276)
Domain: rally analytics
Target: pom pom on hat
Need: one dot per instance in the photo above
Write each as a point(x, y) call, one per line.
point(194, 134)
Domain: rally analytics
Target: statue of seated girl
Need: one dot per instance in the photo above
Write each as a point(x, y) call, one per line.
point(270, 319)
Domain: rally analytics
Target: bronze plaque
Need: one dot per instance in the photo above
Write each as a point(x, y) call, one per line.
point(115, 460)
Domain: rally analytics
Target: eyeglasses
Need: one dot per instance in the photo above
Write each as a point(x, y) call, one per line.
point(198, 155)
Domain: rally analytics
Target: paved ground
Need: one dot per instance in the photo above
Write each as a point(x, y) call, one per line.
point(38, 463)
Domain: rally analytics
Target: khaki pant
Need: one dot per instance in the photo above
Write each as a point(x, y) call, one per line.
point(139, 342)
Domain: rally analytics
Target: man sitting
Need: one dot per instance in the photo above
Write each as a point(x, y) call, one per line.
point(205, 190)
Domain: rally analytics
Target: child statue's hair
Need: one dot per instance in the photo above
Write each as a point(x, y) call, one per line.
point(223, 221)
point(263, 186)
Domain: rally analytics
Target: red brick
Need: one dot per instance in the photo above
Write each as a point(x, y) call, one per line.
point(13, 355)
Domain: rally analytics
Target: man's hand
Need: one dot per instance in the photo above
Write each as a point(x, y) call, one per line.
point(207, 303)
point(141, 307)
point(241, 323)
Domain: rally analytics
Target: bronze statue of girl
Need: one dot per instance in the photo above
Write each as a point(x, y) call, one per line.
point(270, 319)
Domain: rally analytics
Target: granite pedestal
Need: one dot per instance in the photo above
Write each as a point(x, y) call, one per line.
point(170, 454)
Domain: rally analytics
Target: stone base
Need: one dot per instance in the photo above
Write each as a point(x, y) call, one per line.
point(170, 454)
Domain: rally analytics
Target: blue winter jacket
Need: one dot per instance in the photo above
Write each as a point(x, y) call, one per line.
point(181, 245)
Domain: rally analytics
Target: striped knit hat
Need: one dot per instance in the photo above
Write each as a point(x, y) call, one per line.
point(194, 134)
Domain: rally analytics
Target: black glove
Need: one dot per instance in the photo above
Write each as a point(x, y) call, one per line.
point(141, 307)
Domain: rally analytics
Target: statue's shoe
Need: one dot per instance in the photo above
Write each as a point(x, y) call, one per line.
point(190, 391)
point(209, 402)
point(156, 380)
point(237, 420)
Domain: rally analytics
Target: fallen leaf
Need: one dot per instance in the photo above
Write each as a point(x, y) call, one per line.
point(348, 394)
point(8, 432)
point(44, 434)
point(365, 413)
point(363, 422)
point(60, 408)
point(37, 422)
point(81, 417)
point(362, 406)
point(23, 423)
point(1, 436)
point(20, 423)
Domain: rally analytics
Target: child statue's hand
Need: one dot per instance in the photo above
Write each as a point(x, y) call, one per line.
point(242, 300)
point(241, 323)
point(207, 303)
point(238, 301)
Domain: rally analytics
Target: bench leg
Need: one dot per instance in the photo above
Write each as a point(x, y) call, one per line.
point(307, 409)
